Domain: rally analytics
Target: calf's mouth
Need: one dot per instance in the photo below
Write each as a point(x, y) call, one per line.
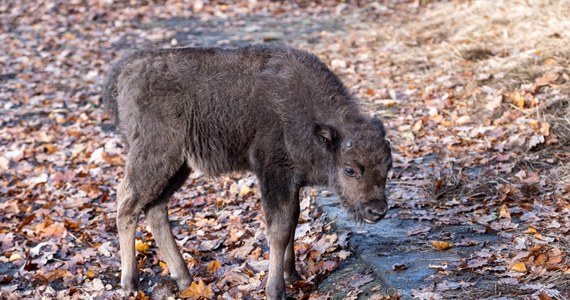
point(373, 211)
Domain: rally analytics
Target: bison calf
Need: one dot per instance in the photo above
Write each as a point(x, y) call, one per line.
point(277, 111)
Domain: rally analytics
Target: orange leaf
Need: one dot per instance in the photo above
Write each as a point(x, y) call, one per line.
point(504, 212)
point(141, 246)
point(90, 274)
point(49, 148)
point(213, 266)
point(549, 62)
point(519, 267)
point(164, 268)
point(440, 245)
point(531, 230)
point(198, 291)
point(517, 99)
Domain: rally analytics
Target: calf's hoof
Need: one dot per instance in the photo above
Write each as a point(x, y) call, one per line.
point(276, 292)
point(183, 283)
point(291, 278)
point(276, 295)
point(130, 285)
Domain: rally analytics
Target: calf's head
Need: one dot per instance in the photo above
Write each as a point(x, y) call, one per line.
point(362, 160)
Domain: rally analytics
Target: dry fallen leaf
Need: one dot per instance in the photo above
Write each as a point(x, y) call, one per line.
point(531, 230)
point(418, 230)
point(517, 99)
point(441, 245)
point(504, 212)
point(550, 62)
point(546, 79)
point(519, 267)
point(213, 266)
point(544, 296)
point(399, 266)
point(164, 268)
point(60, 158)
point(535, 140)
point(463, 120)
point(141, 246)
point(477, 262)
point(198, 291)
point(57, 274)
point(90, 274)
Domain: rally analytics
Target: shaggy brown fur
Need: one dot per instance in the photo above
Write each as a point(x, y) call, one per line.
point(277, 111)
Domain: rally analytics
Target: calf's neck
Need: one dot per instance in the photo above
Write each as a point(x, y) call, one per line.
point(276, 111)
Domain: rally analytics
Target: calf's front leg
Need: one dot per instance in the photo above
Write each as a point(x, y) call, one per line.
point(290, 272)
point(280, 203)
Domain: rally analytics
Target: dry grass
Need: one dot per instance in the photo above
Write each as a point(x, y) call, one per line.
point(510, 33)
point(452, 183)
point(513, 43)
point(557, 114)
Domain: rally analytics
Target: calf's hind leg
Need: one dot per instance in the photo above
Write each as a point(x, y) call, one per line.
point(147, 176)
point(128, 213)
point(157, 217)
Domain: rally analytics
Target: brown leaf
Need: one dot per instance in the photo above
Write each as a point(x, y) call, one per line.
point(546, 79)
point(328, 265)
point(477, 262)
point(70, 224)
point(357, 281)
point(544, 296)
point(26, 221)
point(541, 259)
point(399, 266)
point(54, 230)
point(418, 230)
point(57, 274)
point(243, 251)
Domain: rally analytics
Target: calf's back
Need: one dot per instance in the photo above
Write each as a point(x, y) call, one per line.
point(221, 106)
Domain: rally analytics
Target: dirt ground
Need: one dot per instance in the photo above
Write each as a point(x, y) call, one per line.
point(475, 95)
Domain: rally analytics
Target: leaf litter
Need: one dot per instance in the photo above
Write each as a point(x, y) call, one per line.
point(479, 119)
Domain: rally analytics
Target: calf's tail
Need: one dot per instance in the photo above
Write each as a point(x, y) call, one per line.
point(110, 93)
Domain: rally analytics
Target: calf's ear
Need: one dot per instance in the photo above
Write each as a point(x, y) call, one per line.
point(326, 134)
point(377, 123)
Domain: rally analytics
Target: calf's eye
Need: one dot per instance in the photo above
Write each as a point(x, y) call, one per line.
point(348, 171)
